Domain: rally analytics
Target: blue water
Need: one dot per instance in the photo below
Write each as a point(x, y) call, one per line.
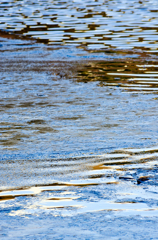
point(78, 122)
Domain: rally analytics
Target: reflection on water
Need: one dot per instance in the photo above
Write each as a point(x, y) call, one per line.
point(75, 135)
point(91, 24)
point(67, 108)
point(78, 138)
point(128, 75)
point(125, 180)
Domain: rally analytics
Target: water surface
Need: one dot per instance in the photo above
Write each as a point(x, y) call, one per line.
point(89, 24)
point(78, 128)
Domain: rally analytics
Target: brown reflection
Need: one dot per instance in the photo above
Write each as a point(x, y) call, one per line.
point(11, 133)
point(100, 166)
point(9, 195)
point(6, 198)
point(115, 182)
point(61, 198)
point(143, 179)
point(36, 121)
point(97, 176)
point(82, 184)
point(127, 75)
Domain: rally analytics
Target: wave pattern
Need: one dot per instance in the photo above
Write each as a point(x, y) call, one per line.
point(111, 182)
point(127, 75)
point(91, 24)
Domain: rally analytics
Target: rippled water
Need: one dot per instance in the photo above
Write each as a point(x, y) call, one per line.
point(92, 24)
point(78, 128)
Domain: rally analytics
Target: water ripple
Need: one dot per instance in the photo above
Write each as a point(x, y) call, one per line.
point(127, 75)
point(111, 182)
point(94, 25)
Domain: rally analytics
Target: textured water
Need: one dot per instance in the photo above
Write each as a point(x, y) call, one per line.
point(78, 127)
point(90, 24)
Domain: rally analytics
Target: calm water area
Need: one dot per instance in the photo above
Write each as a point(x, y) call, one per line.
point(78, 119)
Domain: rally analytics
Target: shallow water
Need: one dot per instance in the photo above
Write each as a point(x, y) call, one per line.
point(78, 128)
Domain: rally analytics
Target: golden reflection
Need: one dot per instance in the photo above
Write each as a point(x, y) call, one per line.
point(82, 184)
point(114, 182)
point(19, 193)
point(101, 166)
point(126, 74)
point(62, 198)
